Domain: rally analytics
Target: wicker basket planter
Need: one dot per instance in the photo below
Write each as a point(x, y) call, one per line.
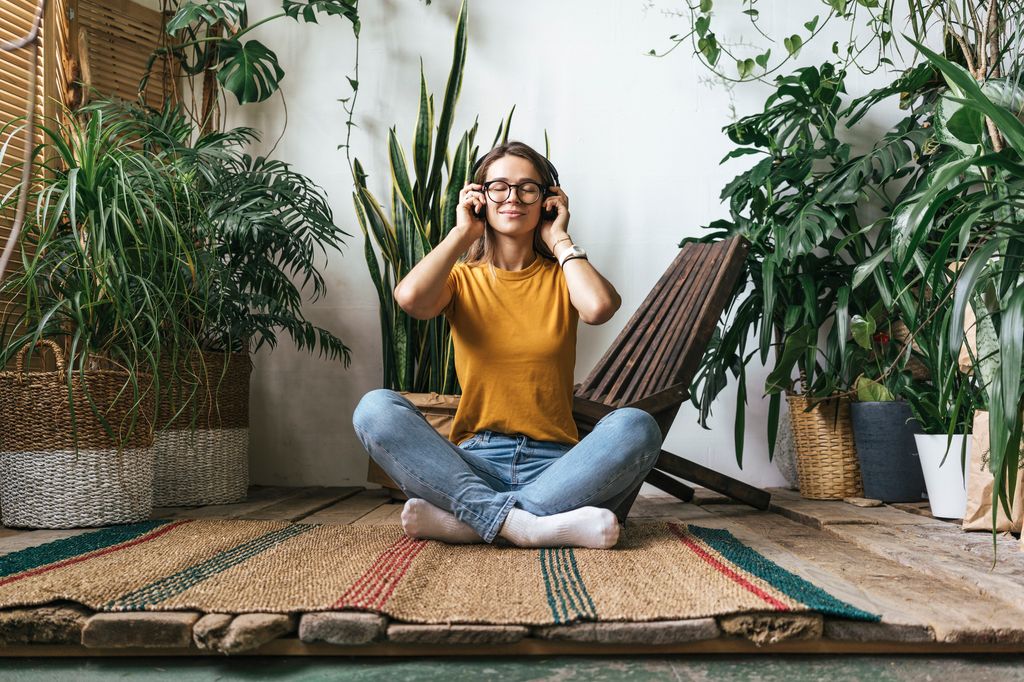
point(44, 481)
point(201, 450)
point(826, 458)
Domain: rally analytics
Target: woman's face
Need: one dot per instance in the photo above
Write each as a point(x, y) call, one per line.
point(512, 216)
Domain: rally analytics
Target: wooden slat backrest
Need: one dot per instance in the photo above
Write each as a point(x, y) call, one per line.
point(663, 341)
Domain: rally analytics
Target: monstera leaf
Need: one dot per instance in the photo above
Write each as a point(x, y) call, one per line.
point(249, 70)
point(307, 10)
point(231, 13)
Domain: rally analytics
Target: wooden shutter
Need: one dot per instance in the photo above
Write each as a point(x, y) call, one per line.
point(16, 19)
point(113, 39)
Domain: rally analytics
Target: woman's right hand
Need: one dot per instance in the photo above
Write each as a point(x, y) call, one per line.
point(471, 200)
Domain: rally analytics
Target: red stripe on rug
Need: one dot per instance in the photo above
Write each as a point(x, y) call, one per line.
point(84, 557)
point(726, 571)
point(387, 570)
point(391, 573)
point(384, 559)
point(396, 576)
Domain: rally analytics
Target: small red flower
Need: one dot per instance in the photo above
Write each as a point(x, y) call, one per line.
point(881, 338)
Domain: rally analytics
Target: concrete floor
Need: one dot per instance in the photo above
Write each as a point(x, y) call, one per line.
point(682, 669)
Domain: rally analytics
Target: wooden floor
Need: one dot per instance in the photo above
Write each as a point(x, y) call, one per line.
point(939, 590)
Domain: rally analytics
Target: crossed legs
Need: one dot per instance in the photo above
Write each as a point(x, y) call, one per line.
point(453, 498)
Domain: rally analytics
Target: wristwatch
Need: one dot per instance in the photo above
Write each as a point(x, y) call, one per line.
point(573, 251)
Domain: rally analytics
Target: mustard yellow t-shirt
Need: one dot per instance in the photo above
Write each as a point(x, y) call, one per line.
point(514, 334)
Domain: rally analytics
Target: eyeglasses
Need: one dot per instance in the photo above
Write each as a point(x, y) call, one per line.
point(499, 190)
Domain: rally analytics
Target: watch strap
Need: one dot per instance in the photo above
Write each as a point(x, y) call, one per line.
point(572, 257)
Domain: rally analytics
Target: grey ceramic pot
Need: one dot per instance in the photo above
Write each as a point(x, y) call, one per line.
point(884, 435)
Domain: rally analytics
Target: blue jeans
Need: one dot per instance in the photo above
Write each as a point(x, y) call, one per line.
point(482, 478)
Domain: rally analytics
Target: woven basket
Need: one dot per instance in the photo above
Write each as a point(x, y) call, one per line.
point(59, 472)
point(202, 443)
point(826, 461)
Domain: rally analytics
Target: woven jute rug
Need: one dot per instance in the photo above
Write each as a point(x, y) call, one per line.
point(658, 571)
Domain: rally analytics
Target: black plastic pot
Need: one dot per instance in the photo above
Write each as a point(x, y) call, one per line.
point(884, 435)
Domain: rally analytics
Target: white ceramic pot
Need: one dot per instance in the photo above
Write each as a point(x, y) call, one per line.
point(946, 484)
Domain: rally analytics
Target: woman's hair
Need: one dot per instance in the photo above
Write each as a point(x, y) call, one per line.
point(482, 250)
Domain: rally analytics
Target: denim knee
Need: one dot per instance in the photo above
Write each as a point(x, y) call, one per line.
point(643, 430)
point(373, 408)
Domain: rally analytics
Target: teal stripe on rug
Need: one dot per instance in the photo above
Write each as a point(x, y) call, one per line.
point(67, 548)
point(587, 608)
point(566, 592)
point(788, 583)
point(167, 587)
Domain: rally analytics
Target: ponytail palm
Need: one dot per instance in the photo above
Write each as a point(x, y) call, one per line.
point(106, 265)
point(971, 213)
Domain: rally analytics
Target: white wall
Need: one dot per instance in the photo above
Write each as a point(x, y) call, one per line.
point(636, 139)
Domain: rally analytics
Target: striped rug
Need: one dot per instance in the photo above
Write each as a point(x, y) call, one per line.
point(658, 571)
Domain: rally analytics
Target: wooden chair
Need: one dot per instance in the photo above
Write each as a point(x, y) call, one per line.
point(652, 362)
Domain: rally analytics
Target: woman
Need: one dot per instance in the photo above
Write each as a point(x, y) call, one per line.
point(520, 470)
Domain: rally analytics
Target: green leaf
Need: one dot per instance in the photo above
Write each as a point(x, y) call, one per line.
point(228, 12)
point(843, 316)
point(812, 24)
point(862, 329)
point(762, 59)
point(745, 67)
point(865, 269)
point(701, 25)
point(249, 71)
point(967, 279)
point(871, 391)
point(705, 6)
point(796, 345)
point(306, 11)
point(1008, 124)
point(967, 125)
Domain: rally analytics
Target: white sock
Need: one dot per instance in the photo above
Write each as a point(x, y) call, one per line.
point(424, 521)
point(591, 527)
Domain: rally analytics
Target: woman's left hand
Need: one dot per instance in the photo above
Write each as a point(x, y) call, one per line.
point(551, 230)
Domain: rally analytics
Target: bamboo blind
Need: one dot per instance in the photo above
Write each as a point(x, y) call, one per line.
point(114, 40)
point(16, 18)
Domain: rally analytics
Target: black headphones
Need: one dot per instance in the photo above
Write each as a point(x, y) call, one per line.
point(547, 215)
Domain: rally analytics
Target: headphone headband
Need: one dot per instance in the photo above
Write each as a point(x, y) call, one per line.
point(551, 169)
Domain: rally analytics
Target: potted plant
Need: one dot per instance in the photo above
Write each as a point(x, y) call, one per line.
point(883, 425)
point(107, 277)
point(258, 230)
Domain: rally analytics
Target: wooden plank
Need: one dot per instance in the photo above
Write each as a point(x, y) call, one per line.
point(664, 317)
point(388, 513)
point(709, 478)
point(821, 513)
point(714, 304)
point(942, 552)
point(23, 539)
point(588, 388)
point(259, 497)
point(655, 304)
point(310, 500)
point(904, 597)
point(670, 485)
point(352, 508)
point(662, 365)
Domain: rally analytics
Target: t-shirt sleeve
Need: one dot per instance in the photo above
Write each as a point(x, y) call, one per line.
point(453, 284)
